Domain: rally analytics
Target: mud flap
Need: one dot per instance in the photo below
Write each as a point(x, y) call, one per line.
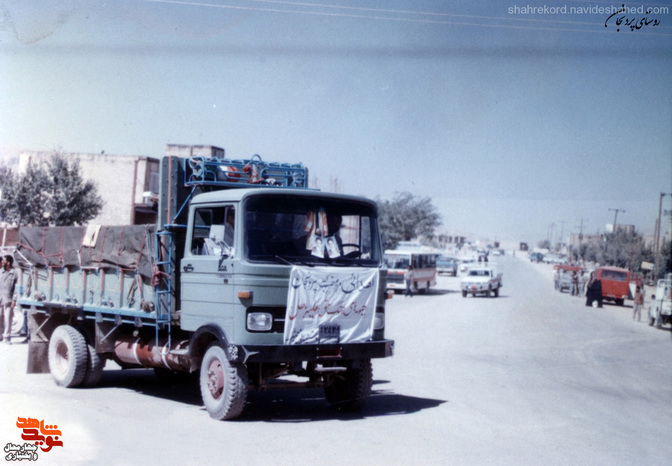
point(38, 357)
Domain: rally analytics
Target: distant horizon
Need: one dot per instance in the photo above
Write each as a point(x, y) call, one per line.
point(463, 208)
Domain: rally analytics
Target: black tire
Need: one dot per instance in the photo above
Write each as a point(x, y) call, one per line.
point(496, 292)
point(464, 294)
point(94, 366)
point(349, 390)
point(223, 384)
point(68, 356)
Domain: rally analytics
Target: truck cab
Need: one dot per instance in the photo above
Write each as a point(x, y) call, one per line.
point(660, 307)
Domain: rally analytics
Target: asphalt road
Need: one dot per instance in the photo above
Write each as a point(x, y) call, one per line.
point(530, 377)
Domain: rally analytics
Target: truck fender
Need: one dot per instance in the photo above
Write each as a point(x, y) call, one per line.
point(202, 339)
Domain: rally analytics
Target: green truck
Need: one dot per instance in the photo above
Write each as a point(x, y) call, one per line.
point(248, 278)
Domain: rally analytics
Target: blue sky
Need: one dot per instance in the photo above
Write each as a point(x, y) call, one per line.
point(509, 119)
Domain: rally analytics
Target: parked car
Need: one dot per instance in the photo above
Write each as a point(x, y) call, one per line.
point(466, 264)
point(563, 276)
point(446, 265)
point(660, 308)
point(536, 257)
point(555, 259)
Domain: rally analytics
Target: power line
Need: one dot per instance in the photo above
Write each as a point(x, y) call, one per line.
point(401, 19)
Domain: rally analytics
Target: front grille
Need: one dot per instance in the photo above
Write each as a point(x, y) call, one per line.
point(396, 278)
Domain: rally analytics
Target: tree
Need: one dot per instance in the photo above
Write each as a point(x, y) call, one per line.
point(71, 200)
point(24, 197)
point(407, 217)
point(620, 249)
point(665, 259)
point(52, 193)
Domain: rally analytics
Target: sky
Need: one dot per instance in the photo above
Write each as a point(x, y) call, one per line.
point(520, 121)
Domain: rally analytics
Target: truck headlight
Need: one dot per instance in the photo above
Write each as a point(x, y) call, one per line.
point(259, 321)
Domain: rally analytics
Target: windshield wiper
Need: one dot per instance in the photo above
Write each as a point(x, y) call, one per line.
point(308, 264)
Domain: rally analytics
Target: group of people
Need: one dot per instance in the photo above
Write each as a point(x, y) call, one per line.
point(591, 288)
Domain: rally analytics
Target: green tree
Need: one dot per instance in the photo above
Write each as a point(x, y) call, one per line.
point(620, 249)
point(24, 197)
point(407, 217)
point(71, 200)
point(52, 193)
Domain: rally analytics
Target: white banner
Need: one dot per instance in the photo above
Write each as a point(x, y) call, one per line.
point(327, 305)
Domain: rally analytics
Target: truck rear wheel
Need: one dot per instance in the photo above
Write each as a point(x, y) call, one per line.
point(349, 390)
point(68, 356)
point(223, 384)
point(94, 366)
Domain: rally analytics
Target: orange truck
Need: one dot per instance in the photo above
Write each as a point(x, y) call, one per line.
point(615, 283)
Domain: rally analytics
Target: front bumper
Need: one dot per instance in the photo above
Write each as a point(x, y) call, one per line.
point(299, 353)
point(475, 287)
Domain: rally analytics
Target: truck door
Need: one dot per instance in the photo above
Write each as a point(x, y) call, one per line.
point(207, 291)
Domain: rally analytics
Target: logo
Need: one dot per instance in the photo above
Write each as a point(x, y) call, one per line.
point(43, 437)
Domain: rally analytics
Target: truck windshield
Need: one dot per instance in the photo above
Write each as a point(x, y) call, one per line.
point(310, 231)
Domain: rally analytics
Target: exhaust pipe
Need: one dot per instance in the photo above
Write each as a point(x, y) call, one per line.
point(136, 351)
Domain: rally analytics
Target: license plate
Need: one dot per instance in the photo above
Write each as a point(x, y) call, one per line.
point(330, 333)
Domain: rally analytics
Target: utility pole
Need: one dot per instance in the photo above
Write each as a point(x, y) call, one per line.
point(579, 254)
point(550, 235)
point(616, 211)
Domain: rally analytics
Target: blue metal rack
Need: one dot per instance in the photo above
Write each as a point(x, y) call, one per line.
point(244, 173)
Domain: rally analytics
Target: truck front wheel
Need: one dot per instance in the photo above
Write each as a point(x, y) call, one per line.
point(223, 384)
point(349, 390)
point(68, 356)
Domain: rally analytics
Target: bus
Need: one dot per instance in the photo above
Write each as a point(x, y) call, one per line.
point(424, 267)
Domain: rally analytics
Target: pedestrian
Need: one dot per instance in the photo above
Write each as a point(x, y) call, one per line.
point(639, 302)
point(594, 291)
point(408, 278)
point(575, 284)
point(583, 282)
point(7, 299)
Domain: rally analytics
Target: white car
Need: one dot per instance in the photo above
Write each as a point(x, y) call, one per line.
point(465, 264)
point(481, 280)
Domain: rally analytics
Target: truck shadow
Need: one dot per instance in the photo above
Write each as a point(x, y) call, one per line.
point(307, 405)
point(275, 405)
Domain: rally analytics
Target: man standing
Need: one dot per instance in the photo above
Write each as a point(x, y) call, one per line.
point(575, 284)
point(7, 298)
point(638, 303)
point(408, 278)
point(583, 282)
